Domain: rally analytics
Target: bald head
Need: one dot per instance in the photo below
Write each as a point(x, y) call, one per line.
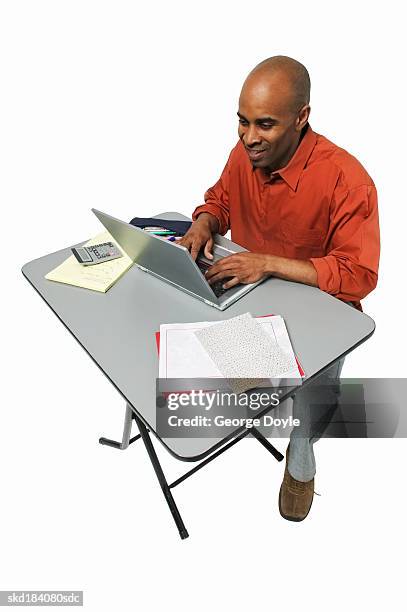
point(273, 111)
point(282, 75)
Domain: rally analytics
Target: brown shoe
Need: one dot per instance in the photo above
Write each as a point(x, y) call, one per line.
point(295, 499)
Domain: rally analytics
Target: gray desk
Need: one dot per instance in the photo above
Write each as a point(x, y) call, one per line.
point(117, 330)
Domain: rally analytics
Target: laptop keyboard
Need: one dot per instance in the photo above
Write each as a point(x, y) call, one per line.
point(217, 287)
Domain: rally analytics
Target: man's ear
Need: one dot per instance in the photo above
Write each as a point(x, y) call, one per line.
point(302, 117)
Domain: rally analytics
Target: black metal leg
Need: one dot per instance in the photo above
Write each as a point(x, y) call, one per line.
point(165, 487)
point(209, 459)
point(161, 478)
point(264, 442)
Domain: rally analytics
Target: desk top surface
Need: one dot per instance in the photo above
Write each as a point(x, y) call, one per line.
point(117, 328)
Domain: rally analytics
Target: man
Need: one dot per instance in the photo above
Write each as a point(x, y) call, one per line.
point(307, 212)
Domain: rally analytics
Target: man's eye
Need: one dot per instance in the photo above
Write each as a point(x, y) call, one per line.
point(242, 121)
point(266, 126)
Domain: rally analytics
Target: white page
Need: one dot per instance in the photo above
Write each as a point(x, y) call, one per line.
point(245, 353)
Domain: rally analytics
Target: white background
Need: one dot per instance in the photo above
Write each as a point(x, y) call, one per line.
point(131, 108)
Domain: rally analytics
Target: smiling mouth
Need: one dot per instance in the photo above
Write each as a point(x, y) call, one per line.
point(255, 154)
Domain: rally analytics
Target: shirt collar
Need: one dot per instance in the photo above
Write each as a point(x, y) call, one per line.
point(292, 171)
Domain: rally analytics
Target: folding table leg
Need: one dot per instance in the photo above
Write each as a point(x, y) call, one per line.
point(264, 442)
point(126, 440)
point(161, 478)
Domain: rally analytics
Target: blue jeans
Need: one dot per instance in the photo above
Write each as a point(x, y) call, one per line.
point(314, 406)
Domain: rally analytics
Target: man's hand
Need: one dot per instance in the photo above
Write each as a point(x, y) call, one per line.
point(200, 235)
point(240, 268)
point(252, 267)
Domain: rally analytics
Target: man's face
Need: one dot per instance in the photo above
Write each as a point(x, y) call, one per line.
point(269, 127)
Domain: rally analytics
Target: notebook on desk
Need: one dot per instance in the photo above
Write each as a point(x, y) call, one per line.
point(97, 278)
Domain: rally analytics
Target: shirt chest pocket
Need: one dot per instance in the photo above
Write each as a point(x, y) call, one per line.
point(300, 235)
point(301, 241)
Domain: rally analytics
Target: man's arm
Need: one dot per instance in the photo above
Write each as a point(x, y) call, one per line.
point(210, 218)
point(298, 270)
point(350, 269)
point(217, 199)
point(251, 267)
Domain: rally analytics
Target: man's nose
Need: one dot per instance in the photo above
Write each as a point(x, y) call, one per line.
point(251, 136)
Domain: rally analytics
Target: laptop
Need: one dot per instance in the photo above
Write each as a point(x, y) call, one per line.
point(174, 264)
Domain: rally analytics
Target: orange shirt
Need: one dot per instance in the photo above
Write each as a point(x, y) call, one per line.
point(322, 207)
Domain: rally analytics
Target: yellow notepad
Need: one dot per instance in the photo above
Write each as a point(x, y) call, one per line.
point(99, 277)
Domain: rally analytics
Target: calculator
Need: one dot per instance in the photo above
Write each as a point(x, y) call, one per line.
point(96, 253)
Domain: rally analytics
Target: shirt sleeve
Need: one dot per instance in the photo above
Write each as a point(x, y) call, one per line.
point(349, 271)
point(217, 199)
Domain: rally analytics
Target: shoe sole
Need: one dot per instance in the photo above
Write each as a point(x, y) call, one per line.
point(292, 518)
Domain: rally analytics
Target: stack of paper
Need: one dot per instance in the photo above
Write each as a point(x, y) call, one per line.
point(99, 277)
point(182, 355)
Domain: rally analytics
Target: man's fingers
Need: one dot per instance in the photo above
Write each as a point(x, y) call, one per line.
point(231, 283)
point(221, 267)
point(192, 245)
point(230, 262)
point(183, 241)
point(194, 240)
point(208, 249)
point(195, 248)
point(220, 276)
